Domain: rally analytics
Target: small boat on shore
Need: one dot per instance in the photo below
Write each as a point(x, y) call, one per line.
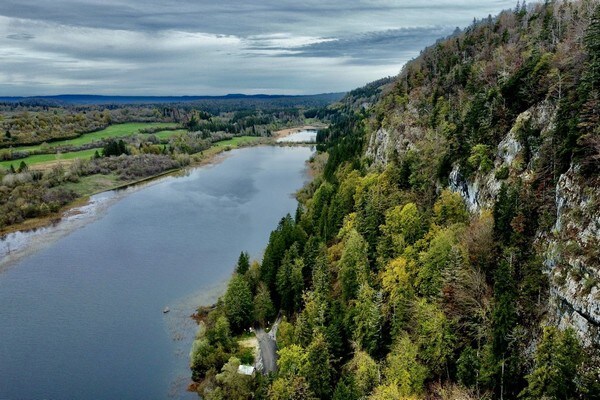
point(166, 310)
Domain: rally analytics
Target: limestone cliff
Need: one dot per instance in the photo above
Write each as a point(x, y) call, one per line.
point(516, 124)
point(572, 256)
point(570, 249)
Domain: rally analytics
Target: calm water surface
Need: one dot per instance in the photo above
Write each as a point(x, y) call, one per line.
point(82, 318)
point(304, 136)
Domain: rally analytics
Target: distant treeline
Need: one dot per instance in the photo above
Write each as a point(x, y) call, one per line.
point(78, 99)
point(32, 121)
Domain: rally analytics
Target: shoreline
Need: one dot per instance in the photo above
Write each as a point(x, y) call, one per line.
point(33, 234)
point(178, 323)
point(207, 157)
point(289, 131)
point(33, 224)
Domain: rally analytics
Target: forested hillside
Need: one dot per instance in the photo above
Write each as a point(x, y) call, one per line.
point(448, 246)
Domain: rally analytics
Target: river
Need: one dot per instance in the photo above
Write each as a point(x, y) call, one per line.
point(81, 315)
point(302, 136)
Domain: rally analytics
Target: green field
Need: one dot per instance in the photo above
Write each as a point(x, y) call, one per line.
point(44, 158)
point(88, 185)
point(119, 130)
point(167, 134)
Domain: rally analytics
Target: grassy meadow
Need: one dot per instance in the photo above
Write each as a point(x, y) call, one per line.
point(36, 160)
point(46, 158)
point(113, 131)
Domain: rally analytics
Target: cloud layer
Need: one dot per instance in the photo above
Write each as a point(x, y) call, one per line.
point(191, 47)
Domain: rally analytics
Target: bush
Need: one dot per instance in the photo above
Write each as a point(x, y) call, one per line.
point(502, 173)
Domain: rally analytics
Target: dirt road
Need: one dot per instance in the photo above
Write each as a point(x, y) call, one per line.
point(268, 347)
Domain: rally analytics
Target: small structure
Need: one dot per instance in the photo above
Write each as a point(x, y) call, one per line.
point(246, 370)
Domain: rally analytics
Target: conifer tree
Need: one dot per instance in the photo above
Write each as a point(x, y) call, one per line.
point(317, 370)
point(557, 358)
point(243, 263)
point(238, 303)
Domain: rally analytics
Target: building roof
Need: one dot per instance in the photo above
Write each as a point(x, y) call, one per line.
point(246, 369)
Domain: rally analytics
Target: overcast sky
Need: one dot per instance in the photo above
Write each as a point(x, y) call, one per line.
point(212, 47)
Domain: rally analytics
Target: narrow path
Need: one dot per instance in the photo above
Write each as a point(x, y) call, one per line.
point(268, 347)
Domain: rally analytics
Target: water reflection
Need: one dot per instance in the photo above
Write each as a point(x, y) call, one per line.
point(81, 313)
point(304, 136)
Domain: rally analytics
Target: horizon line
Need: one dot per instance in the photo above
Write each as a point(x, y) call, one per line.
point(168, 95)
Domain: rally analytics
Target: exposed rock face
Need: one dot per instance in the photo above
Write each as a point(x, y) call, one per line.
point(379, 146)
point(571, 250)
point(479, 193)
point(572, 257)
point(508, 149)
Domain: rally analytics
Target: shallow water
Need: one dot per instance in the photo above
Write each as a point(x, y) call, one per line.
point(81, 317)
point(304, 136)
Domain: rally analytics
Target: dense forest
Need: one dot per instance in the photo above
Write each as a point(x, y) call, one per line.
point(448, 245)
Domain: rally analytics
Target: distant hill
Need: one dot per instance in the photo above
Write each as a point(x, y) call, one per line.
point(84, 99)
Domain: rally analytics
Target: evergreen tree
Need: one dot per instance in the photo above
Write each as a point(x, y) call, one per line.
point(193, 124)
point(286, 234)
point(114, 148)
point(238, 303)
point(504, 212)
point(364, 372)
point(263, 306)
point(290, 279)
point(557, 359)
point(345, 390)
point(321, 278)
point(243, 263)
point(367, 319)
point(313, 249)
point(504, 315)
point(442, 256)
point(589, 119)
point(434, 336)
point(297, 283)
point(592, 45)
point(317, 370)
point(467, 367)
point(354, 265)
point(22, 167)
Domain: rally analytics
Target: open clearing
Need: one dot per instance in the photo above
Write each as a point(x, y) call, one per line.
point(114, 131)
point(40, 161)
point(48, 158)
point(118, 130)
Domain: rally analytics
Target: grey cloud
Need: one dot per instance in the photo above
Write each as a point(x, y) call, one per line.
point(20, 36)
point(209, 47)
point(373, 48)
point(246, 18)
